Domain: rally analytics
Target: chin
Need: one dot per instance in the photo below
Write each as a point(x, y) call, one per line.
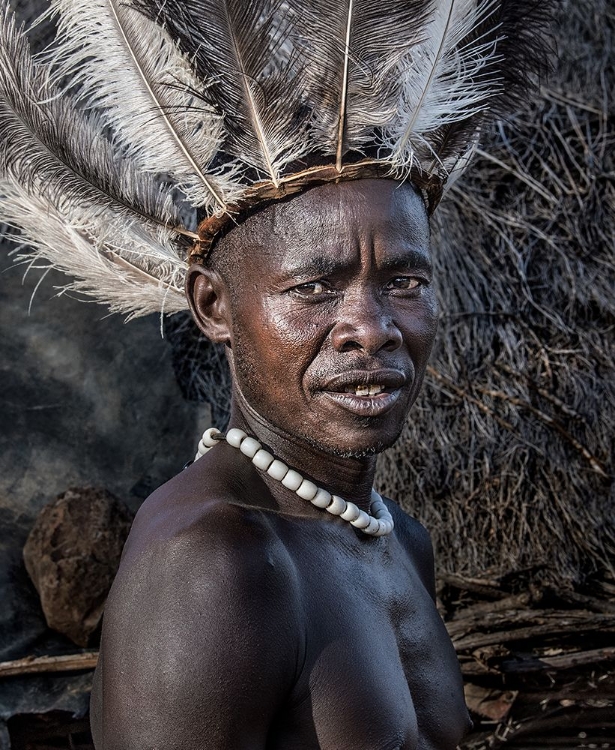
point(363, 446)
point(359, 452)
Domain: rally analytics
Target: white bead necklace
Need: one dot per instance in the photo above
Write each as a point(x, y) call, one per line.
point(378, 522)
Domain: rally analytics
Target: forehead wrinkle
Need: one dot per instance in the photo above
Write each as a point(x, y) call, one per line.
point(295, 220)
point(323, 265)
point(304, 240)
point(307, 234)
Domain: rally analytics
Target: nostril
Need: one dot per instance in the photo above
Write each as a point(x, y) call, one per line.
point(393, 343)
point(351, 346)
point(362, 340)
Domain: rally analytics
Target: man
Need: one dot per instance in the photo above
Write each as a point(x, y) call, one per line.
point(242, 616)
point(267, 597)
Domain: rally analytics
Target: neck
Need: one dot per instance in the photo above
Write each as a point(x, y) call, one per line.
point(350, 478)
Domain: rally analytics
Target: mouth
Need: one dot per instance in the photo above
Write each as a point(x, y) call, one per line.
point(366, 393)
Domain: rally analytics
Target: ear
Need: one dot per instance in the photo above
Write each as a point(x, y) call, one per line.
point(209, 302)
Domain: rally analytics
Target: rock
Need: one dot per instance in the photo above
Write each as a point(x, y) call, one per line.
point(72, 555)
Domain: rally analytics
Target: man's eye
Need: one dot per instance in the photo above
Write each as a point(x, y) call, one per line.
point(405, 283)
point(312, 289)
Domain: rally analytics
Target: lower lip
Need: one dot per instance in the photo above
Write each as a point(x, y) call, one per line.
point(365, 406)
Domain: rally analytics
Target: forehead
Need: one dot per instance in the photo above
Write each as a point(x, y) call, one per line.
point(342, 221)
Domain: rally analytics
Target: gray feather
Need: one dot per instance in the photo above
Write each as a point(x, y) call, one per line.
point(55, 162)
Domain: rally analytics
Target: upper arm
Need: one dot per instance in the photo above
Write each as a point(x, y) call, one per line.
point(200, 646)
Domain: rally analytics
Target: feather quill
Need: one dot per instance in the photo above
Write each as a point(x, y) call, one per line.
point(55, 164)
point(128, 68)
point(351, 52)
point(232, 44)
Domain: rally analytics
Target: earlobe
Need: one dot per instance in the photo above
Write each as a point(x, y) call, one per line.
point(207, 296)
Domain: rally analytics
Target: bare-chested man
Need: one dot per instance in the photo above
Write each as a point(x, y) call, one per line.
point(242, 617)
point(247, 146)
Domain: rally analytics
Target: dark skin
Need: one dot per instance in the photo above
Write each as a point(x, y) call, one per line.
point(242, 617)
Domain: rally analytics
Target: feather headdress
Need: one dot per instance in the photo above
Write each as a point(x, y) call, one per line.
point(150, 126)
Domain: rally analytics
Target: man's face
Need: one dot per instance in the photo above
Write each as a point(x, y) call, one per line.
point(333, 314)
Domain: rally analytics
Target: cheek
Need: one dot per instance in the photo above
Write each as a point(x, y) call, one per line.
point(419, 325)
point(276, 341)
point(292, 327)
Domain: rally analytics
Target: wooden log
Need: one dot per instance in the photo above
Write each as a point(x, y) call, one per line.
point(511, 603)
point(494, 620)
point(565, 661)
point(41, 664)
point(560, 719)
point(593, 603)
point(483, 586)
point(533, 624)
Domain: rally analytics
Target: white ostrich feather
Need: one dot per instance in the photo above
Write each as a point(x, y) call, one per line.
point(448, 79)
point(351, 52)
point(231, 45)
point(55, 165)
point(180, 106)
point(65, 240)
point(129, 69)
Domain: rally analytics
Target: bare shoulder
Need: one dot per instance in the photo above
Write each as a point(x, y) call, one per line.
point(197, 524)
point(202, 609)
point(192, 543)
point(416, 541)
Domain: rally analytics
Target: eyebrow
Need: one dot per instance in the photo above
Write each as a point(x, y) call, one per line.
point(326, 266)
point(409, 259)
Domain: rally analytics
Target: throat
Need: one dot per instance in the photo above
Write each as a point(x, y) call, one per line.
point(349, 476)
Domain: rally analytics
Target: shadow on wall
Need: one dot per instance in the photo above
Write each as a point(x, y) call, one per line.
point(85, 401)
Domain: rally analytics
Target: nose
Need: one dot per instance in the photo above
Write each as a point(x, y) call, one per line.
point(365, 324)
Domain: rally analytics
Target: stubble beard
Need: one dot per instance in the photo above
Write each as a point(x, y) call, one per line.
point(348, 452)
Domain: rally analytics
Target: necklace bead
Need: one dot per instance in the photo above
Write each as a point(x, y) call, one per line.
point(277, 470)
point(322, 498)
point(337, 506)
point(307, 490)
point(376, 523)
point(351, 513)
point(363, 521)
point(235, 436)
point(292, 480)
point(263, 460)
point(249, 447)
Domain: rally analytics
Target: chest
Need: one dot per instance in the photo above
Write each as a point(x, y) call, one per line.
point(379, 671)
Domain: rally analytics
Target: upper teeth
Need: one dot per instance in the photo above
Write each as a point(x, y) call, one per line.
point(369, 390)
